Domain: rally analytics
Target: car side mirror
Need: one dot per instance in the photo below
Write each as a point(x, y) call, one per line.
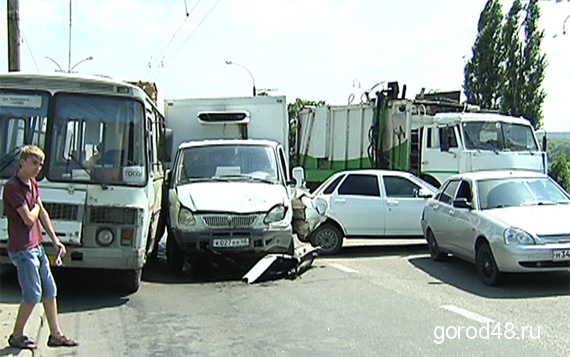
point(424, 193)
point(462, 203)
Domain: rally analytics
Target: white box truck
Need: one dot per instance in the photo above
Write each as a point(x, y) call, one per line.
point(230, 189)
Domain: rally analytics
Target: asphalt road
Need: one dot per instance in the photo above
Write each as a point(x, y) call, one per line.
point(374, 299)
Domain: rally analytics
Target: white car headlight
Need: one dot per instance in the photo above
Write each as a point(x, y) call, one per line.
point(186, 218)
point(517, 236)
point(276, 214)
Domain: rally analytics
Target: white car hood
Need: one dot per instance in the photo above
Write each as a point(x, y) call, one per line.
point(240, 197)
point(541, 220)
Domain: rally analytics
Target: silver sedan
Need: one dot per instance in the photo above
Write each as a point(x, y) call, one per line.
point(503, 221)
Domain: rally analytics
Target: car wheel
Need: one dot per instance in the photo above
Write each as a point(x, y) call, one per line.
point(174, 257)
point(328, 237)
point(435, 253)
point(487, 266)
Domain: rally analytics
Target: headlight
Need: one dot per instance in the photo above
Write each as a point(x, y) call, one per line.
point(276, 214)
point(185, 218)
point(517, 236)
point(105, 237)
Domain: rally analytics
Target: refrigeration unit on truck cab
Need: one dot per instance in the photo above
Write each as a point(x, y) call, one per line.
point(230, 190)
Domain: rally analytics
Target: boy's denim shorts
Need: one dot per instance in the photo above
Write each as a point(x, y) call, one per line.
point(34, 274)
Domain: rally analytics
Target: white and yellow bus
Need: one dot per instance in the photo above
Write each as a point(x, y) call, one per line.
point(106, 147)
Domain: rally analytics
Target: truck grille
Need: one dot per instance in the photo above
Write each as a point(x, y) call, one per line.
point(113, 215)
point(62, 211)
point(228, 221)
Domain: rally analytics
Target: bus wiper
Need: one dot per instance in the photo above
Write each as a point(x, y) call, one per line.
point(7, 159)
point(91, 176)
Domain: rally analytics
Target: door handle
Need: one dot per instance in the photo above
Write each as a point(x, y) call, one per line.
point(392, 202)
point(340, 200)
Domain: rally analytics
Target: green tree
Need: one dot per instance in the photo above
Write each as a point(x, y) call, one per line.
point(517, 61)
point(483, 77)
point(533, 67)
point(560, 171)
point(514, 80)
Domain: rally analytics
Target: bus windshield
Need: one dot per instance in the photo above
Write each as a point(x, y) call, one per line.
point(498, 136)
point(23, 117)
point(97, 139)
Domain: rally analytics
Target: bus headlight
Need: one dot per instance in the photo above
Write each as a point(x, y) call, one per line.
point(186, 218)
point(276, 214)
point(105, 237)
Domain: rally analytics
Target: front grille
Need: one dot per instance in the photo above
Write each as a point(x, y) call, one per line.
point(113, 215)
point(555, 238)
point(228, 221)
point(62, 211)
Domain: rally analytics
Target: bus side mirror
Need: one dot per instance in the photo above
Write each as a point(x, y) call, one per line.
point(167, 145)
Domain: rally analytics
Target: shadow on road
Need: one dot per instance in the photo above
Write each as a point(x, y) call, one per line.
point(463, 275)
point(78, 289)
point(367, 251)
point(217, 271)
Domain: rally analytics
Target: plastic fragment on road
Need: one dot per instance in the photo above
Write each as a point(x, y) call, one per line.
point(275, 266)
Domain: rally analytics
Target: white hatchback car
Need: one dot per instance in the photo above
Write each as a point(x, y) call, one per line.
point(503, 221)
point(369, 203)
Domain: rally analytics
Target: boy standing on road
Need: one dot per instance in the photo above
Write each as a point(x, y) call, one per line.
point(25, 213)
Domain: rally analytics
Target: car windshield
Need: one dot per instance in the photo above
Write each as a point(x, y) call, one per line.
point(511, 192)
point(227, 162)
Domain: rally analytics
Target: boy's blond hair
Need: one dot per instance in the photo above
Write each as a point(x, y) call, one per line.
point(31, 150)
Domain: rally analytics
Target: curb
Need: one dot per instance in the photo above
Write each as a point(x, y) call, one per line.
point(35, 323)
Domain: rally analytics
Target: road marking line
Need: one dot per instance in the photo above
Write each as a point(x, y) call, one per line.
point(344, 268)
point(466, 313)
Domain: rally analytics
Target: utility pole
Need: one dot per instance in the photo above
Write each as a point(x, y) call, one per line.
point(69, 52)
point(13, 35)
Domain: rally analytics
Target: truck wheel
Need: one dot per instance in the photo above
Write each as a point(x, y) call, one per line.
point(328, 237)
point(174, 257)
point(130, 280)
point(487, 266)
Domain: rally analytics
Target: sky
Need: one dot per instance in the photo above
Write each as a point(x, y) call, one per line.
point(331, 50)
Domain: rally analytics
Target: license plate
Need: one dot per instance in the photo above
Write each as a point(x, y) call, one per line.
point(230, 242)
point(561, 255)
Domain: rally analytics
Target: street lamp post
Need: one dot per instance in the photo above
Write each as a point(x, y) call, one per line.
point(80, 62)
point(57, 64)
point(564, 25)
point(72, 68)
point(251, 75)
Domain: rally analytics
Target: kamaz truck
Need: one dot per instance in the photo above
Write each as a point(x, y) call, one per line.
point(432, 137)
